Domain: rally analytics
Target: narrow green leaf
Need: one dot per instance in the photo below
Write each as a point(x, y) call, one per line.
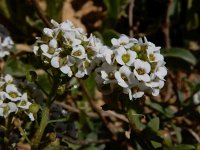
point(154, 124)
point(181, 147)
point(181, 54)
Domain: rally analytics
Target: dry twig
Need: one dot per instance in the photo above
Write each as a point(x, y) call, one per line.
point(41, 13)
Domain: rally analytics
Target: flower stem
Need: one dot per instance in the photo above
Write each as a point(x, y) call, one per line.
point(39, 133)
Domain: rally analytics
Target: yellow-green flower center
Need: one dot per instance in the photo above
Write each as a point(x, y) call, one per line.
point(13, 94)
point(140, 71)
point(126, 58)
point(77, 53)
point(111, 76)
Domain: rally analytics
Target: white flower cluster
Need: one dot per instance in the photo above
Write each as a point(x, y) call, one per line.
point(134, 65)
point(5, 45)
point(11, 99)
point(68, 49)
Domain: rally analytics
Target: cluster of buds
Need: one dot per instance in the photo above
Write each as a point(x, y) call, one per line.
point(6, 45)
point(12, 100)
point(68, 49)
point(136, 66)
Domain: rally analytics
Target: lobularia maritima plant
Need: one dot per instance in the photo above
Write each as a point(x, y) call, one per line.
point(134, 66)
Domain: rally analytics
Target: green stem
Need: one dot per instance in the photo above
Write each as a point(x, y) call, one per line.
point(58, 120)
point(40, 130)
point(24, 134)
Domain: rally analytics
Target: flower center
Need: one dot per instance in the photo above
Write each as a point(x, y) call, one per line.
point(86, 64)
point(126, 58)
point(151, 57)
point(124, 77)
point(111, 75)
point(13, 94)
point(140, 71)
point(23, 103)
point(135, 89)
point(77, 53)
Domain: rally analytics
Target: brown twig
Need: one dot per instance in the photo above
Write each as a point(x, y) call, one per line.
point(85, 142)
point(41, 13)
point(95, 109)
point(166, 26)
point(130, 20)
point(92, 114)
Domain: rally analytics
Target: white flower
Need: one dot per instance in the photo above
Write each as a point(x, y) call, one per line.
point(141, 70)
point(123, 76)
point(123, 41)
point(161, 72)
point(24, 103)
point(8, 78)
point(154, 57)
point(78, 52)
point(70, 39)
point(125, 57)
point(7, 108)
point(12, 92)
point(108, 73)
point(5, 46)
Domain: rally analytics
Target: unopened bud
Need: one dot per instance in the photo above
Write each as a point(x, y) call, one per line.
point(17, 123)
point(34, 108)
point(61, 89)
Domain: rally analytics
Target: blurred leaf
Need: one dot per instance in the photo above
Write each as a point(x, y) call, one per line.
point(17, 67)
point(180, 53)
point(178, 133)
point(156, 144)
point(108, 35)
point(54, 8)
point(154, 124)
point(113, 8)
point(90, 84)
point(181, 147)
point(43, 81)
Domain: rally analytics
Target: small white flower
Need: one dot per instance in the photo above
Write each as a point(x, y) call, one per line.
point(123, 76)
point(78, 52)
point(161, 72)
point(108, 73)
point(154, 57)
point(123, 41)
point(70, 39)
point(125, 57)
point(12, 92)
point(8, 78)
point(141, 70)
point(66, 70)
point(24, 103)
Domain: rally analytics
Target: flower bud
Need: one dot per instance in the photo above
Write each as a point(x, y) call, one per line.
point(17, 123)
point(61, 89)
point(34, 108)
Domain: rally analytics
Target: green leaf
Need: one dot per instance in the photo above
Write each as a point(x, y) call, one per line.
point(154, 124)
point(180, 53)
point(178, 133)
point(181, 147)
point(108, 35)
point(17, 67)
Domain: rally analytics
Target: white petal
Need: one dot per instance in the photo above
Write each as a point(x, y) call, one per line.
point(114, 42)
point(8, 78)
point(53, 43)
point(66, 70)
point(55, 62)
point(44, 48)
point(48, 32)
point(35, 50)
point(55, 24)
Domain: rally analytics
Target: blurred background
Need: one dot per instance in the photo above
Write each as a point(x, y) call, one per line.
point(172, 24)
